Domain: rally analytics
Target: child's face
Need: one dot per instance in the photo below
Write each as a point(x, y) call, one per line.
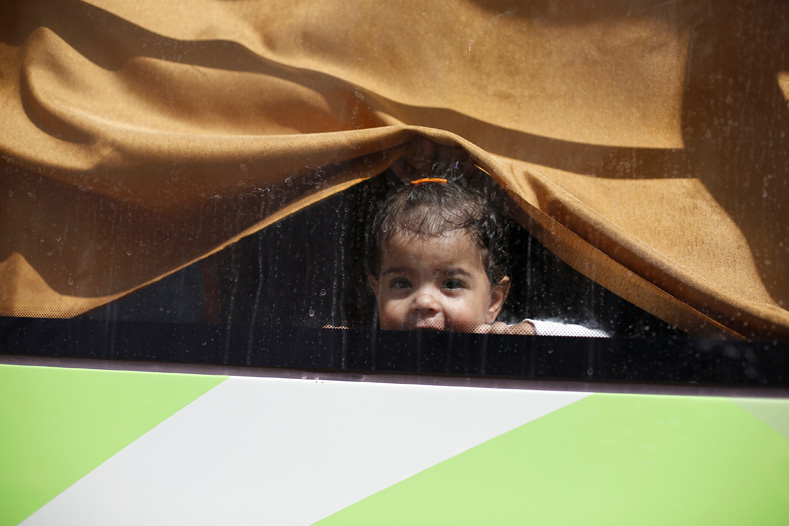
point(435, 282)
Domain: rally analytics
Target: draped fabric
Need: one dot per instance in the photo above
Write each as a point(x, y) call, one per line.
point(644, 141)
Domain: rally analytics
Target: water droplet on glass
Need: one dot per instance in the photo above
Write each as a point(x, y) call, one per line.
point(71, 281)
point(323, 292)
point(312, 313)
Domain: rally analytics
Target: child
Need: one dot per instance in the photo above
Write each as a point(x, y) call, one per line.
point(437, 259)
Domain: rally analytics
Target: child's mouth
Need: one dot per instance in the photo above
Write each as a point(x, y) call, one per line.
point(432, 325)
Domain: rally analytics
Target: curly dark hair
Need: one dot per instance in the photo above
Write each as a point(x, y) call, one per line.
point(433, 209)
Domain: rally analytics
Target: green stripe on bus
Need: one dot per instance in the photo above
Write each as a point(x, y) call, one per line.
point(59, 424)
point(607, 459)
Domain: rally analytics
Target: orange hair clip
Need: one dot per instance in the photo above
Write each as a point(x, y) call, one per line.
point(430, 180)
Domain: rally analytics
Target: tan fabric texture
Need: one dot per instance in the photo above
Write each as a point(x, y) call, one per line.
point(645, 141)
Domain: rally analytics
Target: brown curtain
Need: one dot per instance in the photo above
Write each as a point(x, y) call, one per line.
point(644, 140)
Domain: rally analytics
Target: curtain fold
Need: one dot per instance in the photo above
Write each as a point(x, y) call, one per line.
point(644, 141)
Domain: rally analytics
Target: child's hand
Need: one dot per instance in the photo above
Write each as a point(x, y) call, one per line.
point(525, 328)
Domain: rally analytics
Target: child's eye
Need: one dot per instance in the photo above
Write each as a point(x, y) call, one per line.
point(400, 283)
point(454, 284)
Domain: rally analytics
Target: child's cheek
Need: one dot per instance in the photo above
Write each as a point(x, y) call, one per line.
point(392, 314)
point(465, 318)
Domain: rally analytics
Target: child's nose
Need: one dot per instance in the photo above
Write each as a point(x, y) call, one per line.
point(426, 303)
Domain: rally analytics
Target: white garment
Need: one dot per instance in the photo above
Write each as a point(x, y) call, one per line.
point(553, 328)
